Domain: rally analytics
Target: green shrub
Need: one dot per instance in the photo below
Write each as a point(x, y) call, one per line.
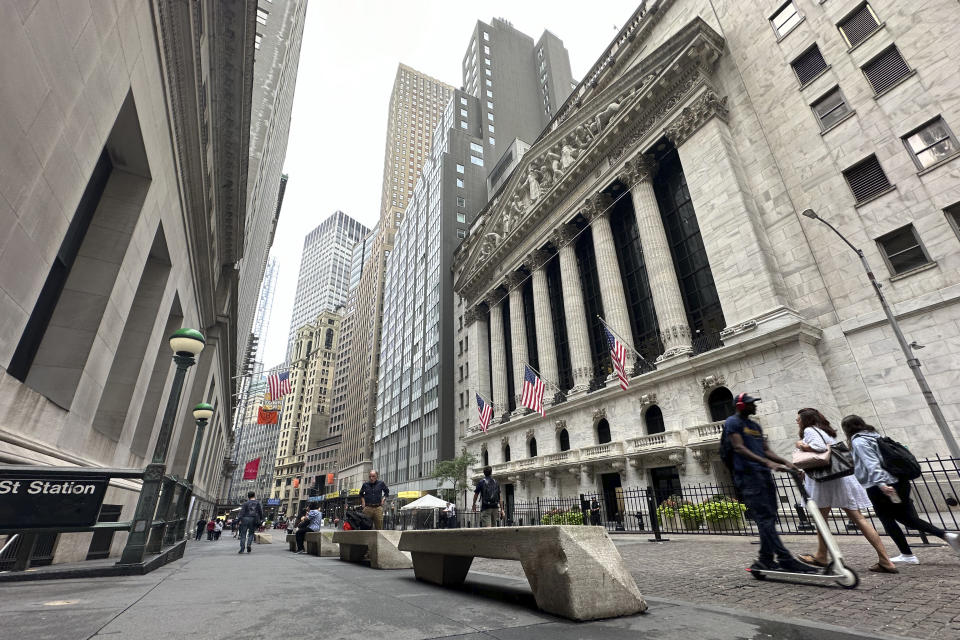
point(559, 516)
point(676, 507)
point(725, 509)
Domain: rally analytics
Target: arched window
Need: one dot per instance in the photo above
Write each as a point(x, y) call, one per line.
point(506, 453)
point(486, 458)
point(654, 420)
point(603, 431)
point(564, 438)
point(533, 447)
point(720, 402)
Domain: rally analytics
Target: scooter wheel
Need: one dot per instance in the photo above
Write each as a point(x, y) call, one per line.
point(757, 575)
point(849, 578)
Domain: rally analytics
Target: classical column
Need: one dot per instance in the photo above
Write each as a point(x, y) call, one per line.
point(664, 286)
point(518, 333)
point(597, 211)
point(477, 329)
point(498, 355)
point(546, 345)
point(578, 336)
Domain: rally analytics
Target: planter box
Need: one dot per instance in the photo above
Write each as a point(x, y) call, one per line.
point(727, 524)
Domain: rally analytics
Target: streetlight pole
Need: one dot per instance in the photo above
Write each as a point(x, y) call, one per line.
point(202, 414)
point(186, 345)
point(912, 361)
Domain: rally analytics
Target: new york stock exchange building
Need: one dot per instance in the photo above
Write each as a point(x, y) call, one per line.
point(664, 201)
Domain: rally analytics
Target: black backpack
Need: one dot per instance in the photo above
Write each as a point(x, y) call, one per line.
point(358, 521)
point(489, 494)
point(897, 460)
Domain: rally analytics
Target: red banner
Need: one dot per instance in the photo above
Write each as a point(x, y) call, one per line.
point(296, 483)
point(329, 478)
point(250, 469)
point(266, 416)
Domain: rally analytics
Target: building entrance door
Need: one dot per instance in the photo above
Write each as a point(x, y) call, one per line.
point(611, 498)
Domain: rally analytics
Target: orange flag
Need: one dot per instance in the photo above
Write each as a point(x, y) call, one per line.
point(267, 416)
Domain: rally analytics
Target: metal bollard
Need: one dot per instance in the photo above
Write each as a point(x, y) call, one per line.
point(654, 522)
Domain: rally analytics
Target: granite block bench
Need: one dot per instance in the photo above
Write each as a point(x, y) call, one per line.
point(262, 538)
point(381, 546)
point(321, 544)
point(292, 541)
point(574, 571)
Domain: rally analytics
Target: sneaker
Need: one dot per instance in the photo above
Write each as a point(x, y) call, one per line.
point(905, 559)
point(764, 565)
point(241, 551)
point(248, 549)
point(953, 539)
point(792, 565)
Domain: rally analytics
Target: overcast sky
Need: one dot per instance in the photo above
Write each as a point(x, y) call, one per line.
point(348, 62)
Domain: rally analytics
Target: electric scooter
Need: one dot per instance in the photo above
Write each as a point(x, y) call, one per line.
point(835, 571)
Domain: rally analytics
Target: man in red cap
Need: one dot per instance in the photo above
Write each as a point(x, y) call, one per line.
point(753, 462)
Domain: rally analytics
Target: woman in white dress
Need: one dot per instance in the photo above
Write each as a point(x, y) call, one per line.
point(844, 493)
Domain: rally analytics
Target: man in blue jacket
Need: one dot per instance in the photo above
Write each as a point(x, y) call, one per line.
point(251, 515)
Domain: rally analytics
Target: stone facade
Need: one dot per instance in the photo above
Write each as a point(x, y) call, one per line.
point(123, 190)
point(694, 129)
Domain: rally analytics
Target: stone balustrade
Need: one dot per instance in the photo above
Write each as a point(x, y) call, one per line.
point(704, 434)
point(606, 450)
point(656, 442)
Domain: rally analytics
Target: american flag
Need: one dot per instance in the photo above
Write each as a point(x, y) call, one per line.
point(486, 412)
point(619, 355)
point(532, 396)
point(279, 385)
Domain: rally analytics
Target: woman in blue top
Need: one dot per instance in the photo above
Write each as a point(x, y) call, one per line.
point(890, 495)
point(816, 434)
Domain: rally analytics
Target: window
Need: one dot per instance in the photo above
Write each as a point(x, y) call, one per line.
point(460, 183)
point(486, 50)
point(463, 124)
point(477, 161)
point(489, 105)
point(486, 36)
point(867, 179)
point(257, 39)
point(654, 420)
point(931, 143)
point(830, 109)
point(476, 148)
point(720, 404)
point(809, 65)
point(490, 117)
point(461, 202)
point(563, 439)
point(459, 168)
point(461, 217)
point(486, 61)
point(461, 234)
point(603, 432)
point(859, 25)
point(953, 217)
point(902, 250)
point(489, 93)
point(886, 70)
point(463, 112)
point(487, 72)
point(490, 128)
point(463, 101)
point(533, 447)
point(492, 142)
point(262, 16)
point(785, 19)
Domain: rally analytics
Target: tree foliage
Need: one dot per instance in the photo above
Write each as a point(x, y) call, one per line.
point(455, 470)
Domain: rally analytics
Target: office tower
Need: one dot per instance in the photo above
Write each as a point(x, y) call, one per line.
point(276, 56)
point(261, 321)
point(415, 399)
point(305, 415)
point(519, 83)
point(121, 194)
point(416, 106)
point(325, 267)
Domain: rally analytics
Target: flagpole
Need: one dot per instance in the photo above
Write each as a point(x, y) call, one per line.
point(622, 341)
point(551, 382)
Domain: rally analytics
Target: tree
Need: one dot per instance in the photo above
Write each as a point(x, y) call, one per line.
point(455, 470)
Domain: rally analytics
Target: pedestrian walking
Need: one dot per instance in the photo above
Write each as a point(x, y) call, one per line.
point(201, 527)
point(234, 526)
point(752, 463)
point(889, 494)
point(450, 516)
point(250, 516)
point(372, 494)
point(491, 504)
point(846, 493)
point(211, 527)
point(594, 512)
point(217, 529)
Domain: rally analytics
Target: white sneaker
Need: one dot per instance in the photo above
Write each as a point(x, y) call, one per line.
point(903, 559)
point(953, 539)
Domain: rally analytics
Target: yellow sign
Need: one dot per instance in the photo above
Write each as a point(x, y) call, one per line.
point(331, 496)
point(405, 495)
point(354, 492)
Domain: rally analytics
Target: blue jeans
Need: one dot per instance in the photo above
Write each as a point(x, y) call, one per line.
point(248, 527)
point(759, 493)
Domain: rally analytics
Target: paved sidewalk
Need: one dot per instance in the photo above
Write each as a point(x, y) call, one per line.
point(215, 593)
point(920, 602)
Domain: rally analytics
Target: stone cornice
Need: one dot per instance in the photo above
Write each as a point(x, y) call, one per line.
point(565, 157)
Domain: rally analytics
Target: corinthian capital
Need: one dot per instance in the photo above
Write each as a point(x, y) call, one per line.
point(693, 117)
point(595, 206)
point(514, 278)
point(563, 234)
point(637, 169)
point(537, 259)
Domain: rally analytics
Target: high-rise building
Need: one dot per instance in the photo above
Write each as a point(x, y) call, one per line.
point(261, 321)
point(417, 422)
point(123, 172)
point(254, 441)
point(415, 399)
point(277, 39)
point(325, 268)
point(361, 252)
point(416, 107)
point(305, 414)
point(519, 83)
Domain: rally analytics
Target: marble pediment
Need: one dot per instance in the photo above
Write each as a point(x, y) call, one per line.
point(601, 126)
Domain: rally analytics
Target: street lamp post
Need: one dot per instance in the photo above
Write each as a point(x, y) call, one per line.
point(912, 361)
point(202, 414)
point(186, 345)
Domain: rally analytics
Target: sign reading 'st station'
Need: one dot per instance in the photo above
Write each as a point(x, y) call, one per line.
point(38, 499)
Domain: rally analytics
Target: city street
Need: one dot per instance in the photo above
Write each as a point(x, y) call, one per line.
point(696, 588)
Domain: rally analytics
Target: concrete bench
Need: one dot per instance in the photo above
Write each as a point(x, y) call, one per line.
point(292, 541)
point(574, 571)
point(320, 543)
point(262, 538)
point(381, 546)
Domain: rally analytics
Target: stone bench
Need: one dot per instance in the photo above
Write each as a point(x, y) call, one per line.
point(381, 546)
point(320, 543)
point(292, 541)
point(574, 571)
point(262, 538)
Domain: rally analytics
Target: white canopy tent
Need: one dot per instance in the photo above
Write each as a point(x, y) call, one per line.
point(426, 502)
